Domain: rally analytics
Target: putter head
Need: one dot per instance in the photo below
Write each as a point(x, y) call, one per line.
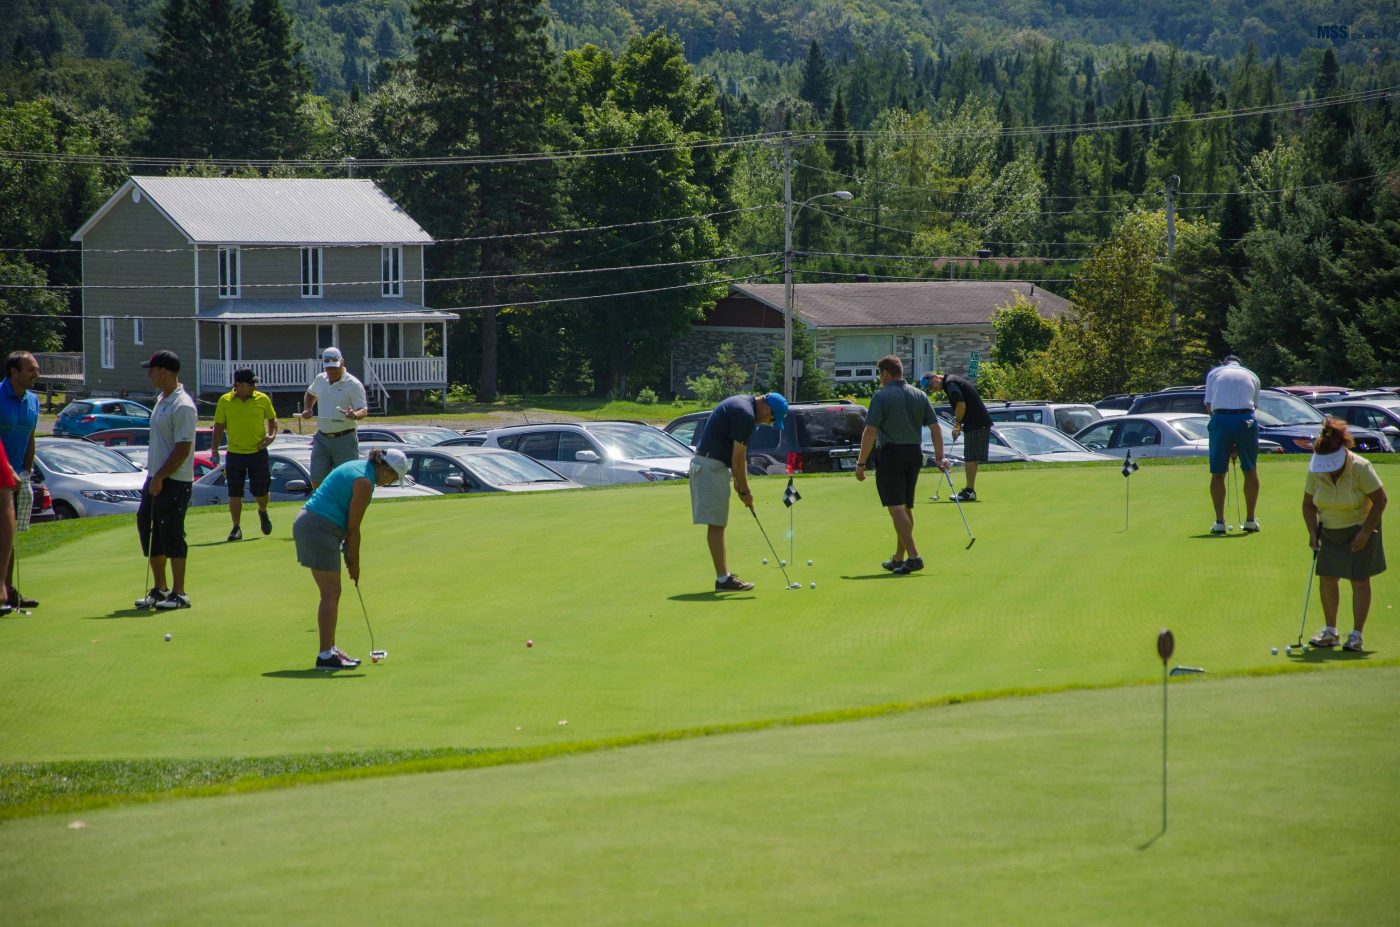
point(970, 543)
point(1187, 671)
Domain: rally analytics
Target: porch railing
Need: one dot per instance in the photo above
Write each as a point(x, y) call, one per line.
point(275, 374)
point(425, 372)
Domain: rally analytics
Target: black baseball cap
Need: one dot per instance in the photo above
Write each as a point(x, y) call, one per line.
point(245, 375)
point(168, 360)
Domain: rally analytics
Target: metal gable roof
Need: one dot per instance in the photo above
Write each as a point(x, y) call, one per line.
point(275, 211)
point(884, 305)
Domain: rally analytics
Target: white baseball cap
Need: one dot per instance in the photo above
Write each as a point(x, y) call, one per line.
point(331, 357)
point(397, 459)
point(1328, 463)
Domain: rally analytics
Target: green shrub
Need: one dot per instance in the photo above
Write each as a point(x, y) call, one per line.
point(647, 396)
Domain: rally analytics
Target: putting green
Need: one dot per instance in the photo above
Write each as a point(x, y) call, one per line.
point(612, 588)
point(1283, 811)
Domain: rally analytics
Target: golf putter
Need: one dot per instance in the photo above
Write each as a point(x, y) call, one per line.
point(1302, 625)
point(14, 583)
point(146, 555)
point(374, 655)
point(970, 539)
point(786, 580)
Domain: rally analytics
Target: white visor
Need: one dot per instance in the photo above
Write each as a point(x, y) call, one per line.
point(398, 460)
point(1328, 463)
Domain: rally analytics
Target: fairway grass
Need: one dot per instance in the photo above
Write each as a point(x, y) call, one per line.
point(1015, 811)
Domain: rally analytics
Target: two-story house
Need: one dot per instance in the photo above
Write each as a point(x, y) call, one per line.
point(259, 273)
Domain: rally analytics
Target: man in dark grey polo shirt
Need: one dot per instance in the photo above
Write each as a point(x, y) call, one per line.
point(898, 413)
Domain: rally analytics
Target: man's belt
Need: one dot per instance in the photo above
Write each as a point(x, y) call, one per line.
point(336, 434)
point(1232, 411)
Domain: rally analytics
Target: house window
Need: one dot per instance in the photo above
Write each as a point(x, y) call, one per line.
point(392, 276)
point(138, 331)
point(386, 339)
point(310, 273)
point(231, 343)
point(325, 337)
point(856, 355)
point(109, 342)
point(230, 272)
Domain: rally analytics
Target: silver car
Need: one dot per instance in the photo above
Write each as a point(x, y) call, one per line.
point(87, 479)
point(599, 453)
point(290, 466)
point(1156, 434)
point(1044, 443)
point(457, 469)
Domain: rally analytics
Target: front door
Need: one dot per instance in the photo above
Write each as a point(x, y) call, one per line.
point(925, 357)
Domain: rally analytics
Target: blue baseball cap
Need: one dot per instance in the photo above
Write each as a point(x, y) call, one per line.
point(779, 406)
point(925, 380)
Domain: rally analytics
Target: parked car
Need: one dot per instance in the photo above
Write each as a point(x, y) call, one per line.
point(1374, 415)
point(1163, 434)
point(684, 429)
point(290, 467)
point(821, 437)
point(477, 469)
point(998, 451)
point(87, 479)
point(138, 454)
point(43, 502)
point(1045, 443)
point(1069, 417)
point(1282, 418)
point(470, 439)
point(598, 453)
point(1316, 394)
point(1117, 404)
point(84, 416)
point(419, 435)
point(140, 437)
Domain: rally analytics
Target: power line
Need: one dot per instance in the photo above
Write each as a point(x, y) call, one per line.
point(406, 280)
point(940, 257)
point(939, 280)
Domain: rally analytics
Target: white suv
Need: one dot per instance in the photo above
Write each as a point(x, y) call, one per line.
point(599, 453)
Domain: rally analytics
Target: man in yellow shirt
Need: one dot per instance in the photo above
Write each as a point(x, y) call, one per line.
point(251, 423)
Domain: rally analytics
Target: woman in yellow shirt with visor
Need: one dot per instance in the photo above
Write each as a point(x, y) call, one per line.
point(1342, 504)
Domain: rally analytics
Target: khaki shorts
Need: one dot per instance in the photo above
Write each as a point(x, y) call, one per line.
point(709, 491)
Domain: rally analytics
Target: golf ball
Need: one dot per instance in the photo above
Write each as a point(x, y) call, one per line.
point(814, 585)
point(167, 637)
point(809, 563)
point(374, 658)
point(1273, 650)
point(782, 563)
point(529, 643)
point(765, 561)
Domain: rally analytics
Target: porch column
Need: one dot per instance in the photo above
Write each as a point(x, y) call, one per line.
point(444, 366)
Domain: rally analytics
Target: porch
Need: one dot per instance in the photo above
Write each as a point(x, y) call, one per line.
point(381, 375)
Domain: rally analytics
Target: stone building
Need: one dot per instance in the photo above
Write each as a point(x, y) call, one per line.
point(930, 325)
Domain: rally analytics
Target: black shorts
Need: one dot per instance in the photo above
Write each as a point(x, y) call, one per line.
point(160, 520)
point(975, 441)
point(254, 467)
point(898, 473)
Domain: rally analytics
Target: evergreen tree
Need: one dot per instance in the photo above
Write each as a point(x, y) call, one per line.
point(838, 140)
point(199, 84)
point(279, 81)
point(487, 74)
point(816, 79)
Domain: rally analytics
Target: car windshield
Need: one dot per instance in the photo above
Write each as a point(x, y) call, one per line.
point(76, 408)
point(638, 442)
point(81, 457)
point(1040, 439)
point(1276, 409)
point(426, 437)
point(1195, 428)
point(505, 469)
point(836, 427)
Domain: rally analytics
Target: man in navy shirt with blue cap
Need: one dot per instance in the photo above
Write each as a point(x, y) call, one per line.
point(722, 450)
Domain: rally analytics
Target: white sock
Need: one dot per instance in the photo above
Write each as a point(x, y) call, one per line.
point(326, 654)
point(722, 577)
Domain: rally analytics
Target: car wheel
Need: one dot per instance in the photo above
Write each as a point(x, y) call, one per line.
point(62, 510)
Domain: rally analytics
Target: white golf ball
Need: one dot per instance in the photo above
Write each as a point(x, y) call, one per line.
point(167, 637)
point(809, 563)
point(765, 561)
point(1273, 650)
point(814, 585)
point(782, 563)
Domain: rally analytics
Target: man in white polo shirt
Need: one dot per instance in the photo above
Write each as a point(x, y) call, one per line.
point(339, 401)
point(1232, 395)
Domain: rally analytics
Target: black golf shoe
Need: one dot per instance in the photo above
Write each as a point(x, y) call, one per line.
point(19, 601)
point(265, 521)
point(338, 660)
point(732, 583)
point(153, 598)
point(236, 534)
point(892, 565)
point(967, 495)
point(912, 565)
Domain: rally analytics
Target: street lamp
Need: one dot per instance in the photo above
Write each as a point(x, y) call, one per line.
point(788, 292)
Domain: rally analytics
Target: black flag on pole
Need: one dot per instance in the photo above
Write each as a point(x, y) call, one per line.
point(790, 495)
point(1129, 465)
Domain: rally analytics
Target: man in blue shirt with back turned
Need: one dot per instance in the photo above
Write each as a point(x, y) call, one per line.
point(19, 416)
point(722, 447)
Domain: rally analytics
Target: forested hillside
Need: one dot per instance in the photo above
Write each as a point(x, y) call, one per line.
point(1045, 138)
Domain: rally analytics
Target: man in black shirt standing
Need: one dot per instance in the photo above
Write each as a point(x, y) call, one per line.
point(970, 419)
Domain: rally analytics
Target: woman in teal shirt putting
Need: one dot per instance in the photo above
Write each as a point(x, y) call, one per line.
point(330, 522)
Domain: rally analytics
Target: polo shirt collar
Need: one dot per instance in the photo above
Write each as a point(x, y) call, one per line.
point(9, 391)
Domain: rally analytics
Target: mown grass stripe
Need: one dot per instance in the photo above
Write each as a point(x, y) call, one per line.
point(451, 760)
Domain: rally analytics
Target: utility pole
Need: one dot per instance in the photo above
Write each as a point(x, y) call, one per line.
point(787, 267)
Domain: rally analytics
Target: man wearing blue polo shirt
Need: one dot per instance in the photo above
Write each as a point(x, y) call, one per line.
point(19, 416)
point(721, 453)
point(1232, 395)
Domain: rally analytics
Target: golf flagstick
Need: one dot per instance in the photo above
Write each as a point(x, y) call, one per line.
point(790, 498)
point(1129, 468)
point(1166, 644)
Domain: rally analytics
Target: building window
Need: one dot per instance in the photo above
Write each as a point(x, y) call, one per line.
point(392, 276)
point(325, 337)
point(109, 342)
point(138, 331)
point(230, 273)
point(856, 356)
point(386, 339)
point(310, 273)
